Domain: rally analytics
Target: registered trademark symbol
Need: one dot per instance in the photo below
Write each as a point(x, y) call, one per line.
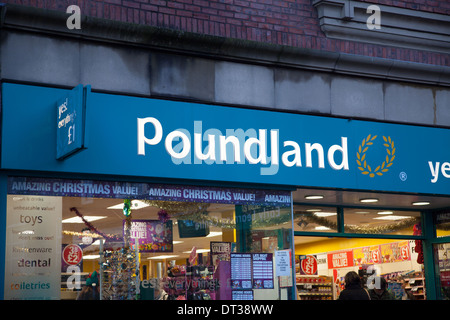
point(403, 176)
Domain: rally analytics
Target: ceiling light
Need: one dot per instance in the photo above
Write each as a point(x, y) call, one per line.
point(177, 242)
point(322, 228)
point(78, 219)
point(362, 212)
point(420, 203)
point(393, 217)
point(198, 251)
point(324, 214)
point(91, 257)
point(313, 210)
point(214, 234)
point(385, 212)
point(163, 257)
point(135, 205)
point(368, 200)
point(314, 197)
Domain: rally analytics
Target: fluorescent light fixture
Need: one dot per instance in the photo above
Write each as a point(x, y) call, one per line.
point(392, 217)
point(214, 234)
point(420, 203)
point(362, 212)
point(313, 210)
point(314, 197)
point(322, 228)
point(91, 257)
point(368, 200)
point(325, 214)
point(87, 218)
point(163, 257)
point(198, 251)
point(135, 205)
point(385, 212)
point(177, 242)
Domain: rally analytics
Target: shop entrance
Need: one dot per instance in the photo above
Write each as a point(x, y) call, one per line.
point(322, 263)
point(442, 261)
point(381, 237)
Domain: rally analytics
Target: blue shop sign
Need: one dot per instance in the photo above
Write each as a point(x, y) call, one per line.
point(134, 136)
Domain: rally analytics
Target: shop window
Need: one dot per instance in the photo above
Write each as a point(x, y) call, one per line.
point(142, 241)
point(442, 257)
point(443, 224)
point(370, 221)
point(321, 264)
point(315, 218)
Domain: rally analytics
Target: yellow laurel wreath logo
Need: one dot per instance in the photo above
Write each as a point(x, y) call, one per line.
point(382, 168)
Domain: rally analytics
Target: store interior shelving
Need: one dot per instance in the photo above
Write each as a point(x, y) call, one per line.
point(315, 288)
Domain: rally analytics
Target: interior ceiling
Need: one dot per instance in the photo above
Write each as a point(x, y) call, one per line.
point(386, 200)
point(113, 223)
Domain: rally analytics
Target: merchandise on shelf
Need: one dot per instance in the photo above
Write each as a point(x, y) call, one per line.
point(414, 284)
point(315, 288)
point(191, 282)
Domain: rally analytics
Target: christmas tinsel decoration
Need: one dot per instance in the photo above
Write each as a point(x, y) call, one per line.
point(419, 248)
point(306, 218)
point(178, 209)
point(107, 237)
point(127, 207)
point(197, 213)
point(163, 216)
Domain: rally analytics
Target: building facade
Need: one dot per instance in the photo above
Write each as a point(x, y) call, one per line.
point(302, 90)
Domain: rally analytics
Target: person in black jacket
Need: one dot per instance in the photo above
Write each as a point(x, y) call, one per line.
point(353, 288)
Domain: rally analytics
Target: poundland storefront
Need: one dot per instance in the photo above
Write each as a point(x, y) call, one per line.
point(152, 199)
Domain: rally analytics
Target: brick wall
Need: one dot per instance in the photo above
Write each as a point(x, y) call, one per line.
point(285, 22)
point(436, 6)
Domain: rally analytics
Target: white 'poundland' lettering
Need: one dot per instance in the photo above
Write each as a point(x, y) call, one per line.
point(237, 146)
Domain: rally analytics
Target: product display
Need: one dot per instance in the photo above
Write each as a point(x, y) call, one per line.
point(315, 288)
point(415, 283)
point(119, 270)
point(120, 267)
point(188, 282)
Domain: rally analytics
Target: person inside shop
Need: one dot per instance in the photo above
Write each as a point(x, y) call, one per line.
point(406, 294)
point(353, 288)
point(379, 290)
point(160, 293)
point(90, 291)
